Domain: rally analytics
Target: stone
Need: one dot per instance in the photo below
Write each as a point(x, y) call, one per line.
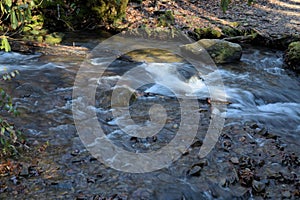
point(234, 160)
point(195, 171)
point(123, 96)
point(258, 186)
point(286, 194)
point(292, 56)
point(221, 51)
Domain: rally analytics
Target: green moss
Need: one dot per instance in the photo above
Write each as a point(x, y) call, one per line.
point(216, 33)
point(54, 38)
point(294, 51)
point(207, 32)
point(231, 32)
point(292, 56)
point(107, 10)
point(166, 19)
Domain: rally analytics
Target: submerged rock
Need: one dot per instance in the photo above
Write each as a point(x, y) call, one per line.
point(258, 186)
point(221, 51)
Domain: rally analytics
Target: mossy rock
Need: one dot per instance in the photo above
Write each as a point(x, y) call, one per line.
point(54, 38)
point(292, 56)
point(160, 33)
point(221, 51)
point(207, 32)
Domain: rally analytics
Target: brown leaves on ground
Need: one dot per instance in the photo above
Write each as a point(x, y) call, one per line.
point(271, 17)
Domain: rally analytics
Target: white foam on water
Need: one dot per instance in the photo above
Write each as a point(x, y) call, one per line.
point(13, 57)
point(289, 109)
point(169, 82)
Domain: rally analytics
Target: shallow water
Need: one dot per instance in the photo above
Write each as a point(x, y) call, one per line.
point(258, 88)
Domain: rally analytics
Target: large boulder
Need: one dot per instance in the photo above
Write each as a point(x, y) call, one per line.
point(292, 56)
point(221, 51)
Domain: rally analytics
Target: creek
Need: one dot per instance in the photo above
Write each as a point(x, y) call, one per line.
point(262, 94)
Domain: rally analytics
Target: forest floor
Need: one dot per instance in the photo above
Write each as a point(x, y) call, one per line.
point(271, 19)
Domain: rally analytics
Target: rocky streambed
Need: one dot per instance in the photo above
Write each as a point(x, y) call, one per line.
point(256, 154)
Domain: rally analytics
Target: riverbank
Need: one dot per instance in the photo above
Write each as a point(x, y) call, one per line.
point(269, 23)
point(272, 23)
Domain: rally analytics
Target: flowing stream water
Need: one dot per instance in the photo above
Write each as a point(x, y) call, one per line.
point(259, 90)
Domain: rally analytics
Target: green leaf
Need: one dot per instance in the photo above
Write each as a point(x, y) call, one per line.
point(8, 3)
point(5, 44)
point(20, 16)
point(224, 5)
point(2, 8)
point(28, 14)
point(2, 130)
point(13, 20)
point(3, 94)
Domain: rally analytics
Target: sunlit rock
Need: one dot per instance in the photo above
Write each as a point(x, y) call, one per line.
point(292, 56)
point(221, 51)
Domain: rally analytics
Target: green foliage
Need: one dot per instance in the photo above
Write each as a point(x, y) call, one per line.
point(15, 13)
point(166, 19)
point(5, 44)
point(9, 136)
point(225, 4)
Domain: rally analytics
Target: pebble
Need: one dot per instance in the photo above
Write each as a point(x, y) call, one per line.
point(242, 139)
point(24, 171)
point(195, 171)
point(258, 186)
point(286, 194)
point(234, 160)
point(75, 152)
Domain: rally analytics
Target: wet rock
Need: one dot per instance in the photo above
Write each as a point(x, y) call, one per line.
point(234, 160)
point(24, 171)
point(221, 51)
point(62, 185)
point(272, 171)
point(246, 177)
point(122, 96)
point(34, 171)
point(142, 193)
point(247, 162)
point(3, 188)
point(230, 178)
point(292, 56)
point(27, 90)
point(91, 180)
point(240, 192)
point(242, 139)
point(75, 152)
point(286, 194)
point(226, 145)
point(261, 131)
point(258, 186)
point(290, 160)
point(15, 180)
point(196, 143)
point(195, 171)
point(223, 182)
